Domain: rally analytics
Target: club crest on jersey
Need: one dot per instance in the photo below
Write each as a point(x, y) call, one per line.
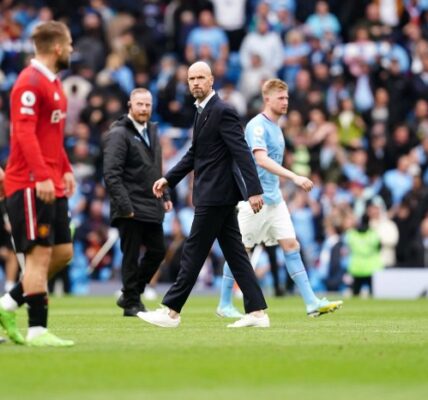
point(57, 116)
point(56, 96)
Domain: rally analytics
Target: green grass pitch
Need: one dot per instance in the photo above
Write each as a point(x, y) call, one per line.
point(369, 349)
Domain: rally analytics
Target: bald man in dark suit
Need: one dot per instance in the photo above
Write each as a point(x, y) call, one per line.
point(225, 173)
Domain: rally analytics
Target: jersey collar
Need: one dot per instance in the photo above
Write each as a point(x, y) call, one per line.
point(43, 69)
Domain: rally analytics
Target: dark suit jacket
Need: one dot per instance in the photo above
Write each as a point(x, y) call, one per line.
point(225, 172)
point(130, 168)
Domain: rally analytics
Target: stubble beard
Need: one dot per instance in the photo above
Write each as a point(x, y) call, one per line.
point(62, 64)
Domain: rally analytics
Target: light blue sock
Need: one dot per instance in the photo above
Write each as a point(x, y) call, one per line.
point(226, 287)
point(297, 271)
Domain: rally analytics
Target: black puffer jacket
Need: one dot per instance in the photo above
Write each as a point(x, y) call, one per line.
point(130, 169)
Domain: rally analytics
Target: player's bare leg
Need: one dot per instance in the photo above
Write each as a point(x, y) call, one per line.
point(62, 254)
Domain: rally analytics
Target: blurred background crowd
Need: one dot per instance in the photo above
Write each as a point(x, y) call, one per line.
point(357, 123)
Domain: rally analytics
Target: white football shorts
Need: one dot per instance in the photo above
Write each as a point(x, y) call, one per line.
point(270, 224)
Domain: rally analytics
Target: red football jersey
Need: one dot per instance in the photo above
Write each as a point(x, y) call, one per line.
point(38, 111)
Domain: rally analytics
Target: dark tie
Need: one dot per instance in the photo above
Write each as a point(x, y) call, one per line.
point(145, 136)
point(199, 110)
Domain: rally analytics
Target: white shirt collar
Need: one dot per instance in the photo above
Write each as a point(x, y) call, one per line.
point(206, 100)
point(139, 127)
point(43, 69)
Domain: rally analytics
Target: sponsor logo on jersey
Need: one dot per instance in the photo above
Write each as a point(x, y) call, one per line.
point(57, 116)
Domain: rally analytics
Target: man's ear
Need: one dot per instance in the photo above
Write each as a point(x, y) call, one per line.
point(58, 49)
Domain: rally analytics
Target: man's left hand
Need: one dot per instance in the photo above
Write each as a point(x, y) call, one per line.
point(256, 203)
point(70, 184)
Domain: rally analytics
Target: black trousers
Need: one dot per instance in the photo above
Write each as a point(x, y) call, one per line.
point(359, 282)
point(137, 273)
point(210, 223)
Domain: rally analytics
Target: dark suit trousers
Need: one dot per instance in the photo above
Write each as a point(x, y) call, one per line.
point(137, 273)
point(210, 223)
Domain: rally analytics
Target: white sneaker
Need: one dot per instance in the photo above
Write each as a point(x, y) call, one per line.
point(150, 293)
point(159, 317)
point(250, 320)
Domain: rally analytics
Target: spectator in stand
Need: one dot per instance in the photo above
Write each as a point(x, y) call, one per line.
point(408, 230)
point(417, 119)
point(399, 180)
point(175, 103)
point(379, 112)
point(386, 229)
point(354, 169)
point(377, 157)
point(336, 92)
point(117, 72)
point(252, 76)
point(92, 46)
point(233, 97)
point(296, 51)
point(266, 44)
point(331, 268)
point(300, 93)
point(208, 35)
point(230, 16)
point(400, 144)
point(134, 54)
point(350, 124)
point(322, 21)
point(376, 29)
point(285, 21)
point(419, 156)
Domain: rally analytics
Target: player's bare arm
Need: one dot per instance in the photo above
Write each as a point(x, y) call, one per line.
point(264, 161)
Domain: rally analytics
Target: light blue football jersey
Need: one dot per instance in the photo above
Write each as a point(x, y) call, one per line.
point(262, 133)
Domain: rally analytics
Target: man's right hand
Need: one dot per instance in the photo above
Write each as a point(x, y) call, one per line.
point(45, 191)
point(305, 183)
point(256, 203)
point(159, 186)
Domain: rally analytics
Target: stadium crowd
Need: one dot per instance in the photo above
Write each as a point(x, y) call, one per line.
point(357, 123)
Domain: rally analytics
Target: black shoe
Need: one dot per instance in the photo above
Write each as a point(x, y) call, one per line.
point(129, 311)
point(279, 292)
point(132, 311)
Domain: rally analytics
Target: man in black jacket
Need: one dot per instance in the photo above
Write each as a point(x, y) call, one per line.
point(132, 163)
point(225, 173)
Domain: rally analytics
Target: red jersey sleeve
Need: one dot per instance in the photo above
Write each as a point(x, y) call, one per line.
point(66, 166)
point(25, 105)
